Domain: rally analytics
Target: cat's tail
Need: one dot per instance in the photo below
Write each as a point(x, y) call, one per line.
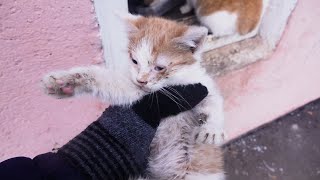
point(206, 163)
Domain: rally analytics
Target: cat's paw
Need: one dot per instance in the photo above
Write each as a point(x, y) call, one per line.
point(209, 135)
point(60, 84)
point(185, 9)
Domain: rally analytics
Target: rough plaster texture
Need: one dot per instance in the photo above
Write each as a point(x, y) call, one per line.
point(267, 89)
point(235, 56)
point(37, 36)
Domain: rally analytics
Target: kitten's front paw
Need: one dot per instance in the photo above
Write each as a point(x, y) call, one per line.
point(210, 135)
point(185, 9)
point(60, 84)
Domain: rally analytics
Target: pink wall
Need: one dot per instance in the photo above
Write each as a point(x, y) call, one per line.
point(289, 79)
point(37, 36)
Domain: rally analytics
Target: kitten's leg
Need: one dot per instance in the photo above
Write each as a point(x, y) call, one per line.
point(186, 8)
point(112, 87)
point(212, 131)
point(206, 163)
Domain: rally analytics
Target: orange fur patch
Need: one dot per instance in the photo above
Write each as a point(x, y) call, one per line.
point(249, 11)
point(161, 33)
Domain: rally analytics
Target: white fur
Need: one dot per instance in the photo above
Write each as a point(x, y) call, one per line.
point(110, 87)
point(192, 35)
point(168, 159)
point(223, 25)
point(218, 176)
point(143, 53)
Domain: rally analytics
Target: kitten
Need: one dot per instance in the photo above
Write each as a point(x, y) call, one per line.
point(234, 20)
point(161, 53)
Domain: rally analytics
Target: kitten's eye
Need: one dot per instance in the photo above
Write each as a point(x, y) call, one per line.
point(159, 68)
point(134, 61)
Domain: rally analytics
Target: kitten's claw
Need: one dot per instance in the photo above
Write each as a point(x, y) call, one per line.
point(59, 84)
point(185, 9)
point(209, 136)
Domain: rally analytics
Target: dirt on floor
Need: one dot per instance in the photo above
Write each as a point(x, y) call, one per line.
point(285, 149)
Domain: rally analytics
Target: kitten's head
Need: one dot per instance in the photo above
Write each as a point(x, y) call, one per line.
point(160, 48)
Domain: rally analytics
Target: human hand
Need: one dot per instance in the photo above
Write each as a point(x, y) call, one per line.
point(169, 101)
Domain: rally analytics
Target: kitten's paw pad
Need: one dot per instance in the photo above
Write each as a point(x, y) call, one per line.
point(60, 84)
point(208, 136)
point(185, 9)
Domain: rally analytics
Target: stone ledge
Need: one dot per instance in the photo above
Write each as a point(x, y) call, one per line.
point(235, 56)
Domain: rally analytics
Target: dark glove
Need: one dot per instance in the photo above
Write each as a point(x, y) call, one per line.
point(170, 101)
point(116, 146)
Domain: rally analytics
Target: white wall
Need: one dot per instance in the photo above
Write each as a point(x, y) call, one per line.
point(112, 30)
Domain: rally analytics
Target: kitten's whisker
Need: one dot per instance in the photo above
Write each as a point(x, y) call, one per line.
point(158, 104)
point(174, 97)
point(149, 97)
point(175, 91)
point(169, 95)
point(150, 105)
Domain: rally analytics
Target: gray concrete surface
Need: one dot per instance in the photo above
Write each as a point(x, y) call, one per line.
point(285, 149)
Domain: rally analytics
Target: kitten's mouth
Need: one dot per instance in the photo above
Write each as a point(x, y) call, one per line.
point(147, 90)
point(143, 88)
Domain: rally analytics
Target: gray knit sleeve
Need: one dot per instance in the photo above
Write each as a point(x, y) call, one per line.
point(116, 146)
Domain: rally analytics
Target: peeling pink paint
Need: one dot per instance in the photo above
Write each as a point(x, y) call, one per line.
point(37, 36)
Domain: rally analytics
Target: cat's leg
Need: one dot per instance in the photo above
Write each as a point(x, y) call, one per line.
point(220, 23)
point(212, 131)
point(186, 8)
point(169, 156)
point(205, 162)
point(114, 88)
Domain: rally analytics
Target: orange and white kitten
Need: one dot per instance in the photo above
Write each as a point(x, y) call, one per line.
point(234, 20)
point(161, 53)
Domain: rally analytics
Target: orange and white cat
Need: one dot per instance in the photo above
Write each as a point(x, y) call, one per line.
point(161, 53)
point(232, 20)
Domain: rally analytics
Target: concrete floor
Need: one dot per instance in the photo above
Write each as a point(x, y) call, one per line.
point(285, 149)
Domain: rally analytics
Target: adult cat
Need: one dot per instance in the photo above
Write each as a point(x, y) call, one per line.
point(229, 20)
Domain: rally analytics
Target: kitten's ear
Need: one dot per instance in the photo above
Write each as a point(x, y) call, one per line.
point(193, 38)
point(128, 20)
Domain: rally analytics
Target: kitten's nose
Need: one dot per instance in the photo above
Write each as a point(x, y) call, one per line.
point(142, 82)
